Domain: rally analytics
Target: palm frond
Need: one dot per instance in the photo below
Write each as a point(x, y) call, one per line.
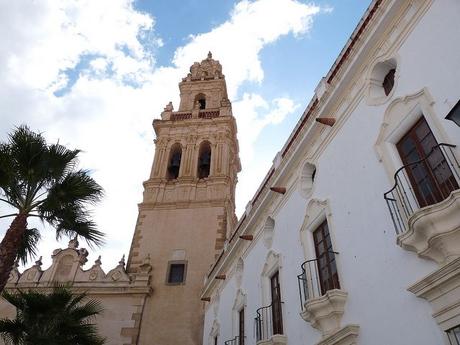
point(57, 318)
point(11, 331)
point(28, 248)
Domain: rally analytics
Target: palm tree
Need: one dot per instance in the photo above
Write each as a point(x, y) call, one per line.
point(41, 180)
point(57, 318)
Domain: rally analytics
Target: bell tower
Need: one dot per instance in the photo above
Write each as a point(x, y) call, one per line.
point(188, 206)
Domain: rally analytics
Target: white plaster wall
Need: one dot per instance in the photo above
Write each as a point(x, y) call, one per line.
point(372, 268)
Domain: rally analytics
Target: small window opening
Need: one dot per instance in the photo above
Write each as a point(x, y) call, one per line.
point(176, 274)
point(313, 174)
point(389, 81)
point(174, 163)
point(201, 100)
point(204, 160)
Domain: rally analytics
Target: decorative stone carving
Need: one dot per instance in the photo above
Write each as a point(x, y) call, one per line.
point(118, 273)
point(325, 312)
point(238, 304)
point(167, 111)
point(307, 175)
point(434, 231)
point(207, 69)
point(215, 329)
point(14, 274)
point(442, 289)
point(33, 274)
point(347, 335)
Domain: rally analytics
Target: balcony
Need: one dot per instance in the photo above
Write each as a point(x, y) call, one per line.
point(321, 299)
point(269, 325)
point(424, 205)
point(235, 341)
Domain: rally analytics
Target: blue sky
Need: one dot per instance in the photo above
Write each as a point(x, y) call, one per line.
point(94, 74)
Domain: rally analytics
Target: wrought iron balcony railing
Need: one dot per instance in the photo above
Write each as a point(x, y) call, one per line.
point(235, 341)
point(422, 183)
point(269, 321)
point(311, 283)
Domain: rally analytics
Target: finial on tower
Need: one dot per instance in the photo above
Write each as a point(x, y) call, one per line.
point(209, 55)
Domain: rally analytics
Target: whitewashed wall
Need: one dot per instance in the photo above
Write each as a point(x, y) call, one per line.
point(372, 268)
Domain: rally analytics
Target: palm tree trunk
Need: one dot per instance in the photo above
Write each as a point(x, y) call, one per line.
point(9, 247)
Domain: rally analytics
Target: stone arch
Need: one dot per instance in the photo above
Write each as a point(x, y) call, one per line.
point(268, 232)
point(204, 160)
point(200, 101)
point(307, 178)
point(271, 266)
point(174, 162)
point(383, 70)
point(317, 211)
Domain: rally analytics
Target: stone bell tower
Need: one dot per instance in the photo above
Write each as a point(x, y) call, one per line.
point(188, 206)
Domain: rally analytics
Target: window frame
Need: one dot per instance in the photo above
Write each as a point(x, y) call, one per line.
point(332, 280)
point(276, 302)
point(168, 272)
point(439, 189)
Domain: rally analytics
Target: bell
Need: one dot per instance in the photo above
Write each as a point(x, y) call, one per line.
point(175, 160)
point(205, 159)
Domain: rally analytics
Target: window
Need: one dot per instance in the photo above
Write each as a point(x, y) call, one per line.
point(277, 317)
point(327, 268)
point(382, 81)
point(204, 160)
point(241, 326)
point(174, 162)
point(215, 340)
point(454, 335)
point(307, 178)
point(432, 179)
point(176, 272)
point(389, 81)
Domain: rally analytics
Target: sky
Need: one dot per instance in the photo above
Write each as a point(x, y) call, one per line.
point(93, 74)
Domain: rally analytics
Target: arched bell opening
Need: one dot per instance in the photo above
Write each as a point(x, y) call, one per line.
point(200, 100)
point(174, 162)
point(204, 160)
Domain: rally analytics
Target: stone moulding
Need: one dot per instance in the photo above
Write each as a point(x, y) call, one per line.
point(276, 339)
point(434, 231)
point(325, 312)
point(347, 335)
point(442, 289)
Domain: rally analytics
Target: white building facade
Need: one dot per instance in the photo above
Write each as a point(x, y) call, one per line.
point(353, 237)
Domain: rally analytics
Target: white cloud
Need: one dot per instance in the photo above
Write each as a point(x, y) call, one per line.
point(238, 42)
point(118, 89)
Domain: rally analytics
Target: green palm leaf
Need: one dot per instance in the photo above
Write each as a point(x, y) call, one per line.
point(42, 180)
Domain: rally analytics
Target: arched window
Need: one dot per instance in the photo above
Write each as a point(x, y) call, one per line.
point(174, 162)
point(201, 100)
point(382, 81)
point(389, 81)
point(204, 160)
